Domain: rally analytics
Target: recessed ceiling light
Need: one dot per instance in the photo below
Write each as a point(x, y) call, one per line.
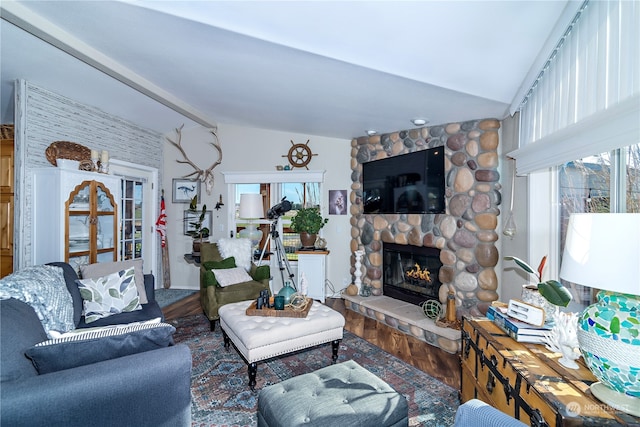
point(371, 132)
point(419, 122)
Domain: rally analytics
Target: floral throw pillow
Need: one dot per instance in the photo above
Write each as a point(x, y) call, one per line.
point(109, 295)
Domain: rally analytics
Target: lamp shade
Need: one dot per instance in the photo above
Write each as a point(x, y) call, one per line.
point(602, 251)
point(251, 206)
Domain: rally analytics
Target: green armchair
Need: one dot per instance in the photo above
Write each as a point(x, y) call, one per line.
point(213, 296)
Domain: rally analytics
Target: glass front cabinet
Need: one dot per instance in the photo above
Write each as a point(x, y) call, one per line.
point(75, 217)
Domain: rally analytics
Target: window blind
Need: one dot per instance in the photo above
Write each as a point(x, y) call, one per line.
point(587, 99)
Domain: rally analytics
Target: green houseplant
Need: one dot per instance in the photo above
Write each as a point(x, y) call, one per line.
point(308, 222)
point(551, 290)
point(198, 233)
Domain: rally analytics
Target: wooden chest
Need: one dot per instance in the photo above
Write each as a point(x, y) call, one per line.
point(526, 382)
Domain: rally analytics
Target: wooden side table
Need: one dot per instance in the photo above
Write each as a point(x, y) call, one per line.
point(526, 382)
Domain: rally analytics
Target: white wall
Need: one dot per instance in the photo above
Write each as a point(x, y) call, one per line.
point(512, 278)
point(250, 149)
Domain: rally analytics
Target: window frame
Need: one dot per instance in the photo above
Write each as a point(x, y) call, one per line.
point(544, 196)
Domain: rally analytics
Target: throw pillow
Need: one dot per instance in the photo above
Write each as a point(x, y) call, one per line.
point(240, 249)
point(107, 343)
point(261, 273)
point(231, 276)
point(101, 269)
point(208, 279)
point(109, 295)
point(44, 289)
point(219, 265)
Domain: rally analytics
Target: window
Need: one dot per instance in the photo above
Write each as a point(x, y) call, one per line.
point(131, 219)
point(608, 182)
point(299, 194)
point(137, 212)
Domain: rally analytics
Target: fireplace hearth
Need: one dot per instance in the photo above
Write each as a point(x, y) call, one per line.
point(410, 273)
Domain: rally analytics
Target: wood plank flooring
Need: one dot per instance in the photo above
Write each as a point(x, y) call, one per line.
point(432, 360)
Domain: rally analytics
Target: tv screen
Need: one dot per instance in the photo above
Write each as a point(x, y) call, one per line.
point(408, 183)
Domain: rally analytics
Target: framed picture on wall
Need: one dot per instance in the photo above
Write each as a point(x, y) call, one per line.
point(184, 190)
point(337, 202)
point(190, 217)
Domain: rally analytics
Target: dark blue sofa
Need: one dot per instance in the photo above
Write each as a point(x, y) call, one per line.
point(147, 388)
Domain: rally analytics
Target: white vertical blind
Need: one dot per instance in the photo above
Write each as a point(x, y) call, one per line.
point(593, 72)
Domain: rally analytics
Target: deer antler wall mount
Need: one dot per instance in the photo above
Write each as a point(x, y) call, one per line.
point(204, 175)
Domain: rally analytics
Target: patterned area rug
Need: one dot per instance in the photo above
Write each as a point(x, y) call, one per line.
point(221, 396)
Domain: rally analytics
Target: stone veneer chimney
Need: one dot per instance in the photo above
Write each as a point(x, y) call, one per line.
point(466, 234)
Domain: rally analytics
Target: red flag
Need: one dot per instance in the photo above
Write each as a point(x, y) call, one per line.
point(161, 223)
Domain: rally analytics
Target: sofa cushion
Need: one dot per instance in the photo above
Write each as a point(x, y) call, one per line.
point(42, 287)
point(109, 295)
point(209, 252)
point(101, 269)
point(149, 311)
point(231, 276)
point(209, 279)
point(94, 345)
point(20, 328)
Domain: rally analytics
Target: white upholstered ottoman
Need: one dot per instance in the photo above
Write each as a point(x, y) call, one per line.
point(259, 338)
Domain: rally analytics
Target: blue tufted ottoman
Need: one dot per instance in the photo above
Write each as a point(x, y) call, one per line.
point(342, 395)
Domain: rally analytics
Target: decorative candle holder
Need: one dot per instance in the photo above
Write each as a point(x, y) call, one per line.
point(103, 167)
point(358, 268)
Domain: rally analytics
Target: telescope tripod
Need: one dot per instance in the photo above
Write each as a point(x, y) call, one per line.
point(283, 262)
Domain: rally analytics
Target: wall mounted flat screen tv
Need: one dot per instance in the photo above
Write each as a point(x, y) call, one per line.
point(408, 183)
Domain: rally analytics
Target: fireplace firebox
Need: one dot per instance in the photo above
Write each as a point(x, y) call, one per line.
point(410, 273)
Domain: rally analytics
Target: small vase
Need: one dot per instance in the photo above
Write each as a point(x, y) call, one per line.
point(308, 240)
point(531, 295)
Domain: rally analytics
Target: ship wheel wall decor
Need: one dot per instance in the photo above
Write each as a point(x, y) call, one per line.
point(299, 155)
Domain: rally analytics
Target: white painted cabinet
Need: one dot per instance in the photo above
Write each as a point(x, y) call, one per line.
point(75, 217)
point(313, 265)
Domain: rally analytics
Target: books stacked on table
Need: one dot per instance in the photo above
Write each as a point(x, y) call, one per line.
point(518, 330)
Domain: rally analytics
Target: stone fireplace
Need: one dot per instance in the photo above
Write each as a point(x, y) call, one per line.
point(465, 235)
point(410, 273)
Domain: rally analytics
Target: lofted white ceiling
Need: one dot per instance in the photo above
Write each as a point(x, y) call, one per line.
point(330, 68)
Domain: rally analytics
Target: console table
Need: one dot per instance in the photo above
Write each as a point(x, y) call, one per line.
point(526, 381)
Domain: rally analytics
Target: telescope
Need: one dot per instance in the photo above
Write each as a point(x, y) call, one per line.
point(280, 209)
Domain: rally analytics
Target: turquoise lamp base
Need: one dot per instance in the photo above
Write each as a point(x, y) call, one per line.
point(609, 337)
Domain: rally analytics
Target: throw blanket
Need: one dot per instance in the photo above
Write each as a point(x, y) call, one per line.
point(42, 287)
point(240, 249)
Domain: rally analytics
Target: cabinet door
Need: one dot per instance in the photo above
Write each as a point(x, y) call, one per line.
point(312, 266)
point(6, 234)
point(91, 226)
point(6, 166)
point(106, 227)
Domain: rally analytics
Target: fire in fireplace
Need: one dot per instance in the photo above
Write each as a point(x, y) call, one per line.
point(410, 273)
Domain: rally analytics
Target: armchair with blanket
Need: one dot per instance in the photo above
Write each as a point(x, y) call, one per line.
point(215, 291)
point(120, 373)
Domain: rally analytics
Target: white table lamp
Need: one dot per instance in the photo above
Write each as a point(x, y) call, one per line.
point(251, 208)
point(602, 251)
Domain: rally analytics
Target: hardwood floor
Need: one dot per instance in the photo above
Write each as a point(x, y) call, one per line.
point(432, 360)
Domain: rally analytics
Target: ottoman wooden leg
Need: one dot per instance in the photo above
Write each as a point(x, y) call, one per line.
point(227, 341)
point(335, 346)
point(253, 369)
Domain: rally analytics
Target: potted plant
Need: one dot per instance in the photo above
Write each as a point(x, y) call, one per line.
point(198, 233)
point(551, 290)
point(308, 222)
